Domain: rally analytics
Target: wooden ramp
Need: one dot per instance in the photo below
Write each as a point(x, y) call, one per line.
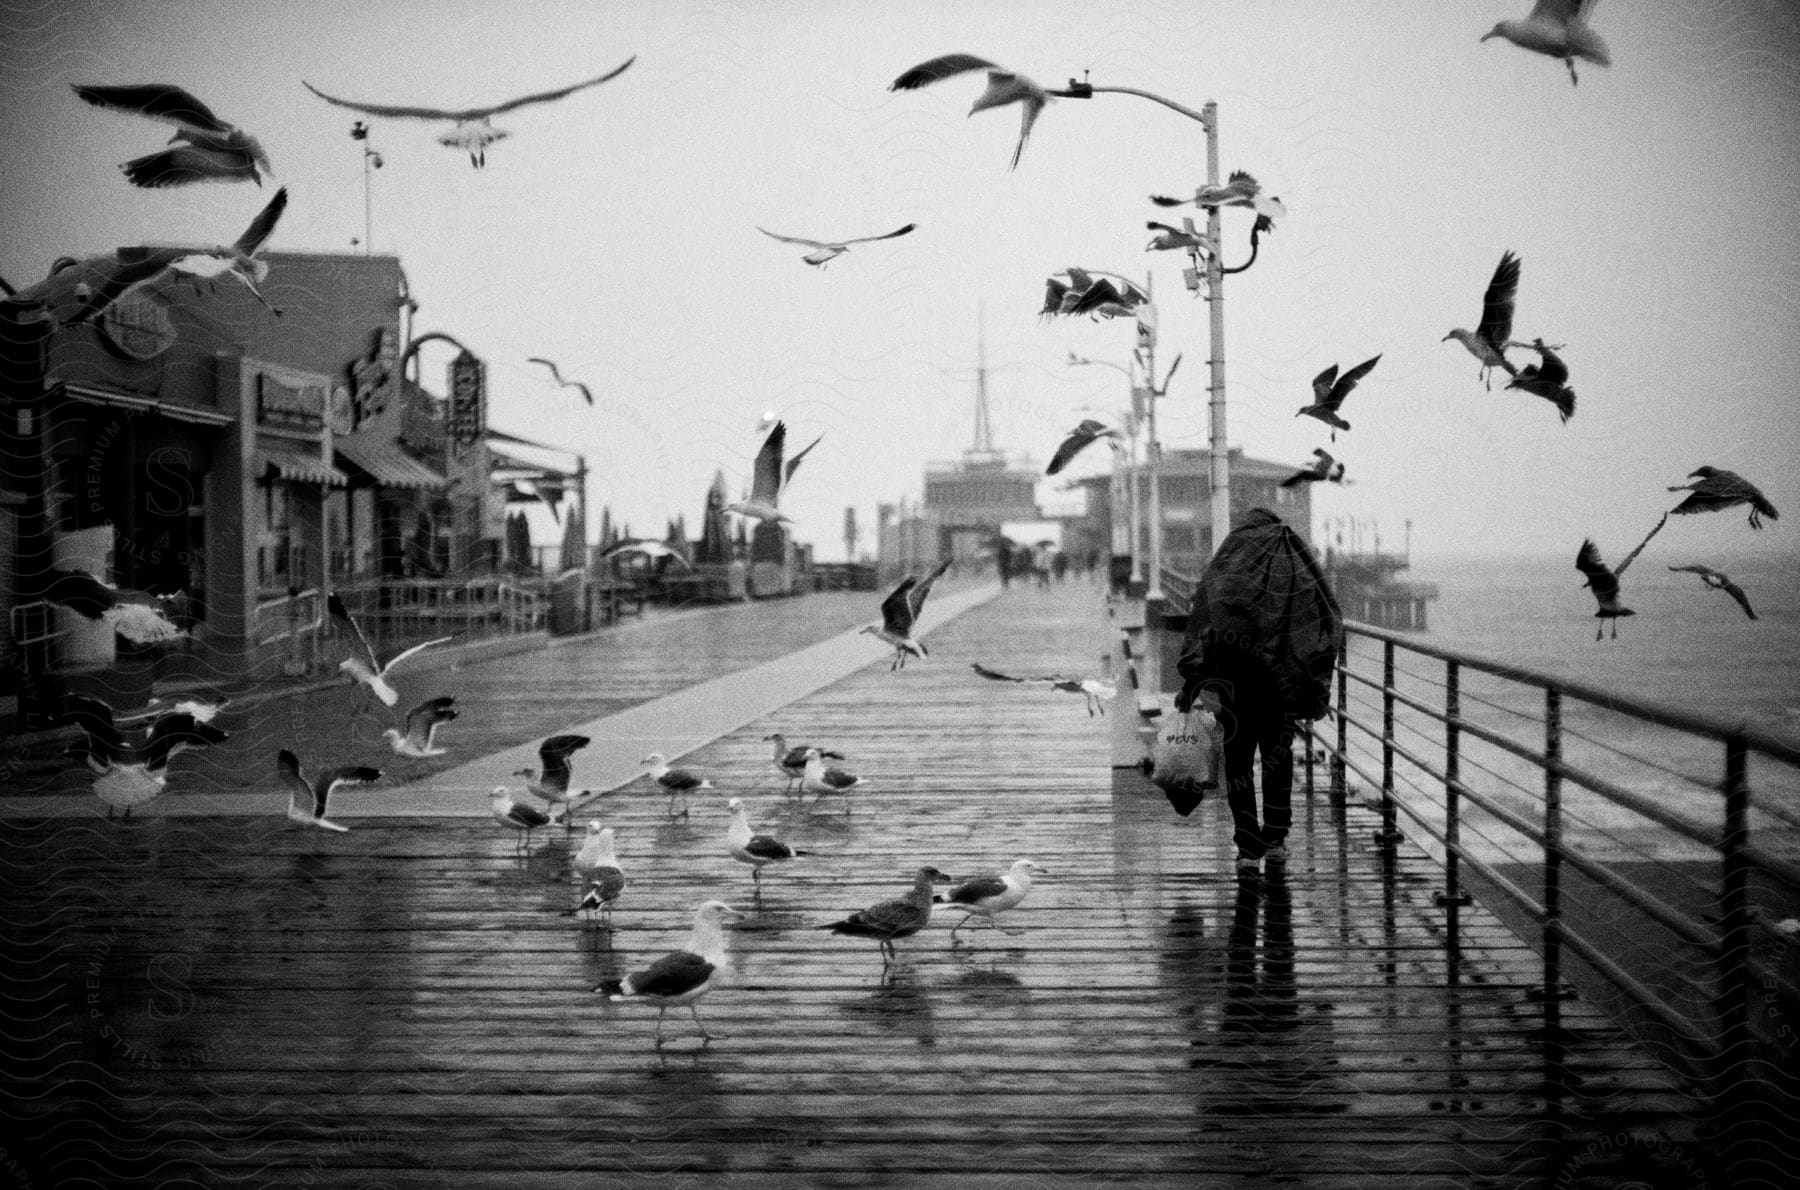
point(228, 1000)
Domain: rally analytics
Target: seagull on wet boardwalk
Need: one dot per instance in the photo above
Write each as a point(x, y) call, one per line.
point(1489, 340)
point(1329, 391)
point(1239, 190)
point(134, 615)
point(790, 759)
point(1097, 691)
point(1605, 581)
point(204, 147)
point(818, 780)
point(516, 815)
point(899, 918)
point(1719, 582)
point(755, 850)
point(307, 804)
point(1003, 87)
point(989, 896)
point(598, 864)
point(825, 251)
point(1549, 379)
point(770, 478)
point(586, 393)
point(683, 976)
point(372, 673)
point(679, 782)
point(1557, 29)
point(900, 614)
point(422, 723)
point(552, 782)
point(1324, 468)
point(473, 132)
point(1079, 438)
point(1715, 490)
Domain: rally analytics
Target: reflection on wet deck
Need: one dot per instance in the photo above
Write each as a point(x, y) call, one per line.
point(407, 1004)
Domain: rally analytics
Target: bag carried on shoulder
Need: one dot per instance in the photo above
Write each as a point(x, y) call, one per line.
point(1187, 759)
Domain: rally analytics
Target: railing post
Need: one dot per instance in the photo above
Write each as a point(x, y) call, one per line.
point(1339, 788)
point(1389, 834)
point(1732, 1080)
point(1453, 897)
point(1555, 1077)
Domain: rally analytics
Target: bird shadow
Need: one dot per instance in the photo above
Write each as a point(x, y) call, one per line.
point(898, 1004)
point(989, 986)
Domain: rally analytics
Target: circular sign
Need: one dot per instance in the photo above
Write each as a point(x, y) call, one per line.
point(340, 411)
point(138, 327)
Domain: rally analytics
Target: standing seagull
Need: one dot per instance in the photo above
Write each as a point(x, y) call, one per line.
point(134, 615)
point(818, 780)
point(755, 850)
point(824, 251)
point(552, 783)
point(1715, 490)
point(307, 803)
point(1605, 582)
point(790, 759)
point(1548, 379)
point(770, 478)
point(899, 918)
point(207, 149)
point(682, 976)
point(1488, 342)
point(1077, 441)
point(677, 781)
point(1559, 29)
point(1003, 87)
point(586, 394)
point(373, 674)
point(598, 864)
point(422, 723)
point(515, 815)
point(1095, 690)
point(900, 614)
point(1329, 391)
point(1720, 582)
point(988, 896)
point(473, 133)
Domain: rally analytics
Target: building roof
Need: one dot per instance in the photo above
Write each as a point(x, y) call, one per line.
point(300, 467)
point(387, 464)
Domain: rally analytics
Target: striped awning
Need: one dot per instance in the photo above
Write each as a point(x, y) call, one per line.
point(302, 468)
point(387, 464)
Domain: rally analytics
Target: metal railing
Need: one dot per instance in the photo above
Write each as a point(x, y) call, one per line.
point(392, 610)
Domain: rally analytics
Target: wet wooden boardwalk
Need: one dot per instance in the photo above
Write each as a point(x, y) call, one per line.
point(231, 1001)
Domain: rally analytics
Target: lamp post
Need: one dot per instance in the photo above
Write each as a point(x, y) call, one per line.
point(1129, 488)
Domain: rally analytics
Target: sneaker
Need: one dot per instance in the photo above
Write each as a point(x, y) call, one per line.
point(1276, 854)
point(1249, 863)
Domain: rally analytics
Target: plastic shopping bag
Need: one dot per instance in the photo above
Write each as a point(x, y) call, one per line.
point(1187, 759)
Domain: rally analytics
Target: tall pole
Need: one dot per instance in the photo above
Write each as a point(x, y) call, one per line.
point(1154, 590)
point(1215, 297)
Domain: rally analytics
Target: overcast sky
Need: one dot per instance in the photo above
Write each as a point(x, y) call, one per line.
point(1656, 209)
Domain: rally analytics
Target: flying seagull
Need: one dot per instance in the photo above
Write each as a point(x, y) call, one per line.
point(824, 251)
point(128, 773)
point(683, 976)
point(515, 815)
point(900, 614)
point(1329, 391)
point(1077, 441)
point(204, 147)
point(307, 803)
point(899, 918)
point(473, 132)
point(204, 707)
point(422, 723)
point(790, 759)
point(988, 896)
point(1187, 237)
point(655, 551)
point(1003, 87)
point(552, 782)
point(598, 864)
point(1558, 29)
point(1488, 341)
point(1715, 490)
point(1106, 295)
point(818, 780)
point(1605, 582)
point(586, 394)
point(134, 615)
point(679, 782)
point(373, 674)
point(1095, 690)
point(753, 849)
point(1240, 190)
point(1323, 468)
point(770, 478)
point(1548, 379)
point(1719, 582)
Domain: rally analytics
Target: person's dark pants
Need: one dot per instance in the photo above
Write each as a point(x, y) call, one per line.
point(1254, 727)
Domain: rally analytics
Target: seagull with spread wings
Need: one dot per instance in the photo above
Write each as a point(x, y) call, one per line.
point(681, 977)
point(1557, 29)
point(1240, 190)
point(1324, 468)
point(372, 674)
point(1003, 87)
point(1548, 379)
point(552, 782)
point(824, 251)
point(900, 615)
point(129, 773)
point(654, 551)
point(1095, 690)
point(134, 615)
point(307, 803)
point(1605, 580)
point(1715, 490)
point(1329, 391)
point(204, 147)
point(473, 132)
point(1720, 582)
point(770, 478)
point(1187, 238)
point(422, 723)
point(556, 375)
point(1489, 340)
point(1078, 440)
